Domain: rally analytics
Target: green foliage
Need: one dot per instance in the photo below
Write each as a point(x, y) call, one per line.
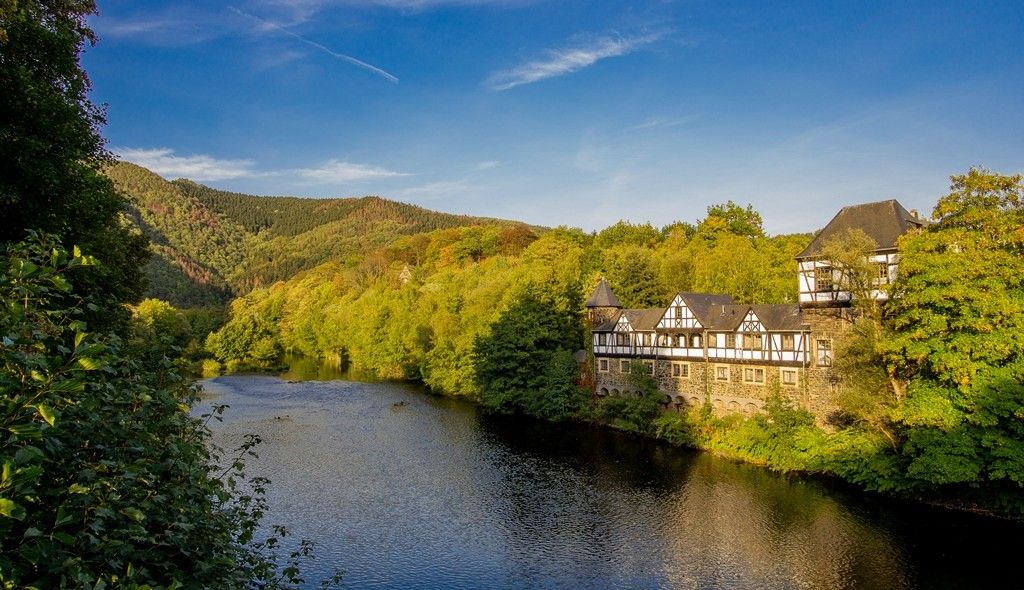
point(733, 219)
point(106, 478)
point(51, 153)
point(212, 244)
point(525, 362)
point(633, 275)
point(956, 317)
point(633, 412)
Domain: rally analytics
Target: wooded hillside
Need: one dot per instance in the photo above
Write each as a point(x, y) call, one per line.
point(211, 245)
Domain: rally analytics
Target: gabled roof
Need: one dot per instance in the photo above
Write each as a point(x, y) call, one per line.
point(644, 320)
point(701, 304)
point(603, 296)
point(783, 317)
point(884, 221)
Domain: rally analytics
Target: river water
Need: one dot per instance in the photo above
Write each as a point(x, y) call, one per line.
point(401, 489)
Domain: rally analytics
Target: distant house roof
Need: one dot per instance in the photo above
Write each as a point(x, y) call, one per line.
point(603, 296)
point(701, 304)
point(884, 221)
point(644, 320)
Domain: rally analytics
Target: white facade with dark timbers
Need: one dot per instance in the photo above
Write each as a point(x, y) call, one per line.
point(706, 347)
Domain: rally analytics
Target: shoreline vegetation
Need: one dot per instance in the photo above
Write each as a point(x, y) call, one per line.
point(933, 405)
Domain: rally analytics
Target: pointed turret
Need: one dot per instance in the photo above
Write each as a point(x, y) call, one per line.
point(603, 305)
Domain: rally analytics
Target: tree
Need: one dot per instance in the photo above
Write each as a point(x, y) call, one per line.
point(52, 156)
point(525, 363)
point(731, 218)
point(956, 316)
point(107, 479)
point(633, 274)
point(869, 393)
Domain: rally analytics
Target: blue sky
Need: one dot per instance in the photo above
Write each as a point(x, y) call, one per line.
point(575, 113)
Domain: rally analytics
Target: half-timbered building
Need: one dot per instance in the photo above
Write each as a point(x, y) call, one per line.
point(705, 347)
point(884, 222)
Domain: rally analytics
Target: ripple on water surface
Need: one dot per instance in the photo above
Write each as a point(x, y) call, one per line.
point(404, 490)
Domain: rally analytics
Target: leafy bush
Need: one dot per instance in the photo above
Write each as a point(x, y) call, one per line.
point(106, 478)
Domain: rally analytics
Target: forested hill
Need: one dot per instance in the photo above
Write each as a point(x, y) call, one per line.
point(291, 216)
point(211, 245)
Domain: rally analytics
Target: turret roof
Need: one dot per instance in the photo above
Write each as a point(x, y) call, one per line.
point(603, 296)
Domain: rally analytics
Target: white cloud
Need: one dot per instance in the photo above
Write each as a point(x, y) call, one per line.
point(485, 165)
point(559, 62)
point(338, 171)
point(164, 162)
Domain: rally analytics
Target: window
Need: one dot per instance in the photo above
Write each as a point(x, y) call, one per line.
point(753, 342)
point(824, 353)
point(882, 277)
point(664, 340)
point(823, 279)
point(788, 376)
point(721, 373)
point(599, 340)
point(649, 367)
point(624, 366)
point(622, 339)
point(602, 365)
point(682, 341)
point(695, 341)
point(753, 375)
point(681, 370)
point(788, 342)
point(730, 340)
point(645, 339)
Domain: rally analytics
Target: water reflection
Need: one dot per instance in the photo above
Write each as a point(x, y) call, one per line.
point(430, 494)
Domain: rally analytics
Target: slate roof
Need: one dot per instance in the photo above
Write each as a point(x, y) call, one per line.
point(782, 318)
point(776, 318)
point(644, 320)
point(884, 221)
point(717, 313)
point(726, 318)
point(701, 304)
point(603, 296)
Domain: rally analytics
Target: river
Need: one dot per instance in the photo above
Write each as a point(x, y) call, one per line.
point(402, 489)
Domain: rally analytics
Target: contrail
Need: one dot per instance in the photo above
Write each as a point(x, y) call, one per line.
point(341, 56)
